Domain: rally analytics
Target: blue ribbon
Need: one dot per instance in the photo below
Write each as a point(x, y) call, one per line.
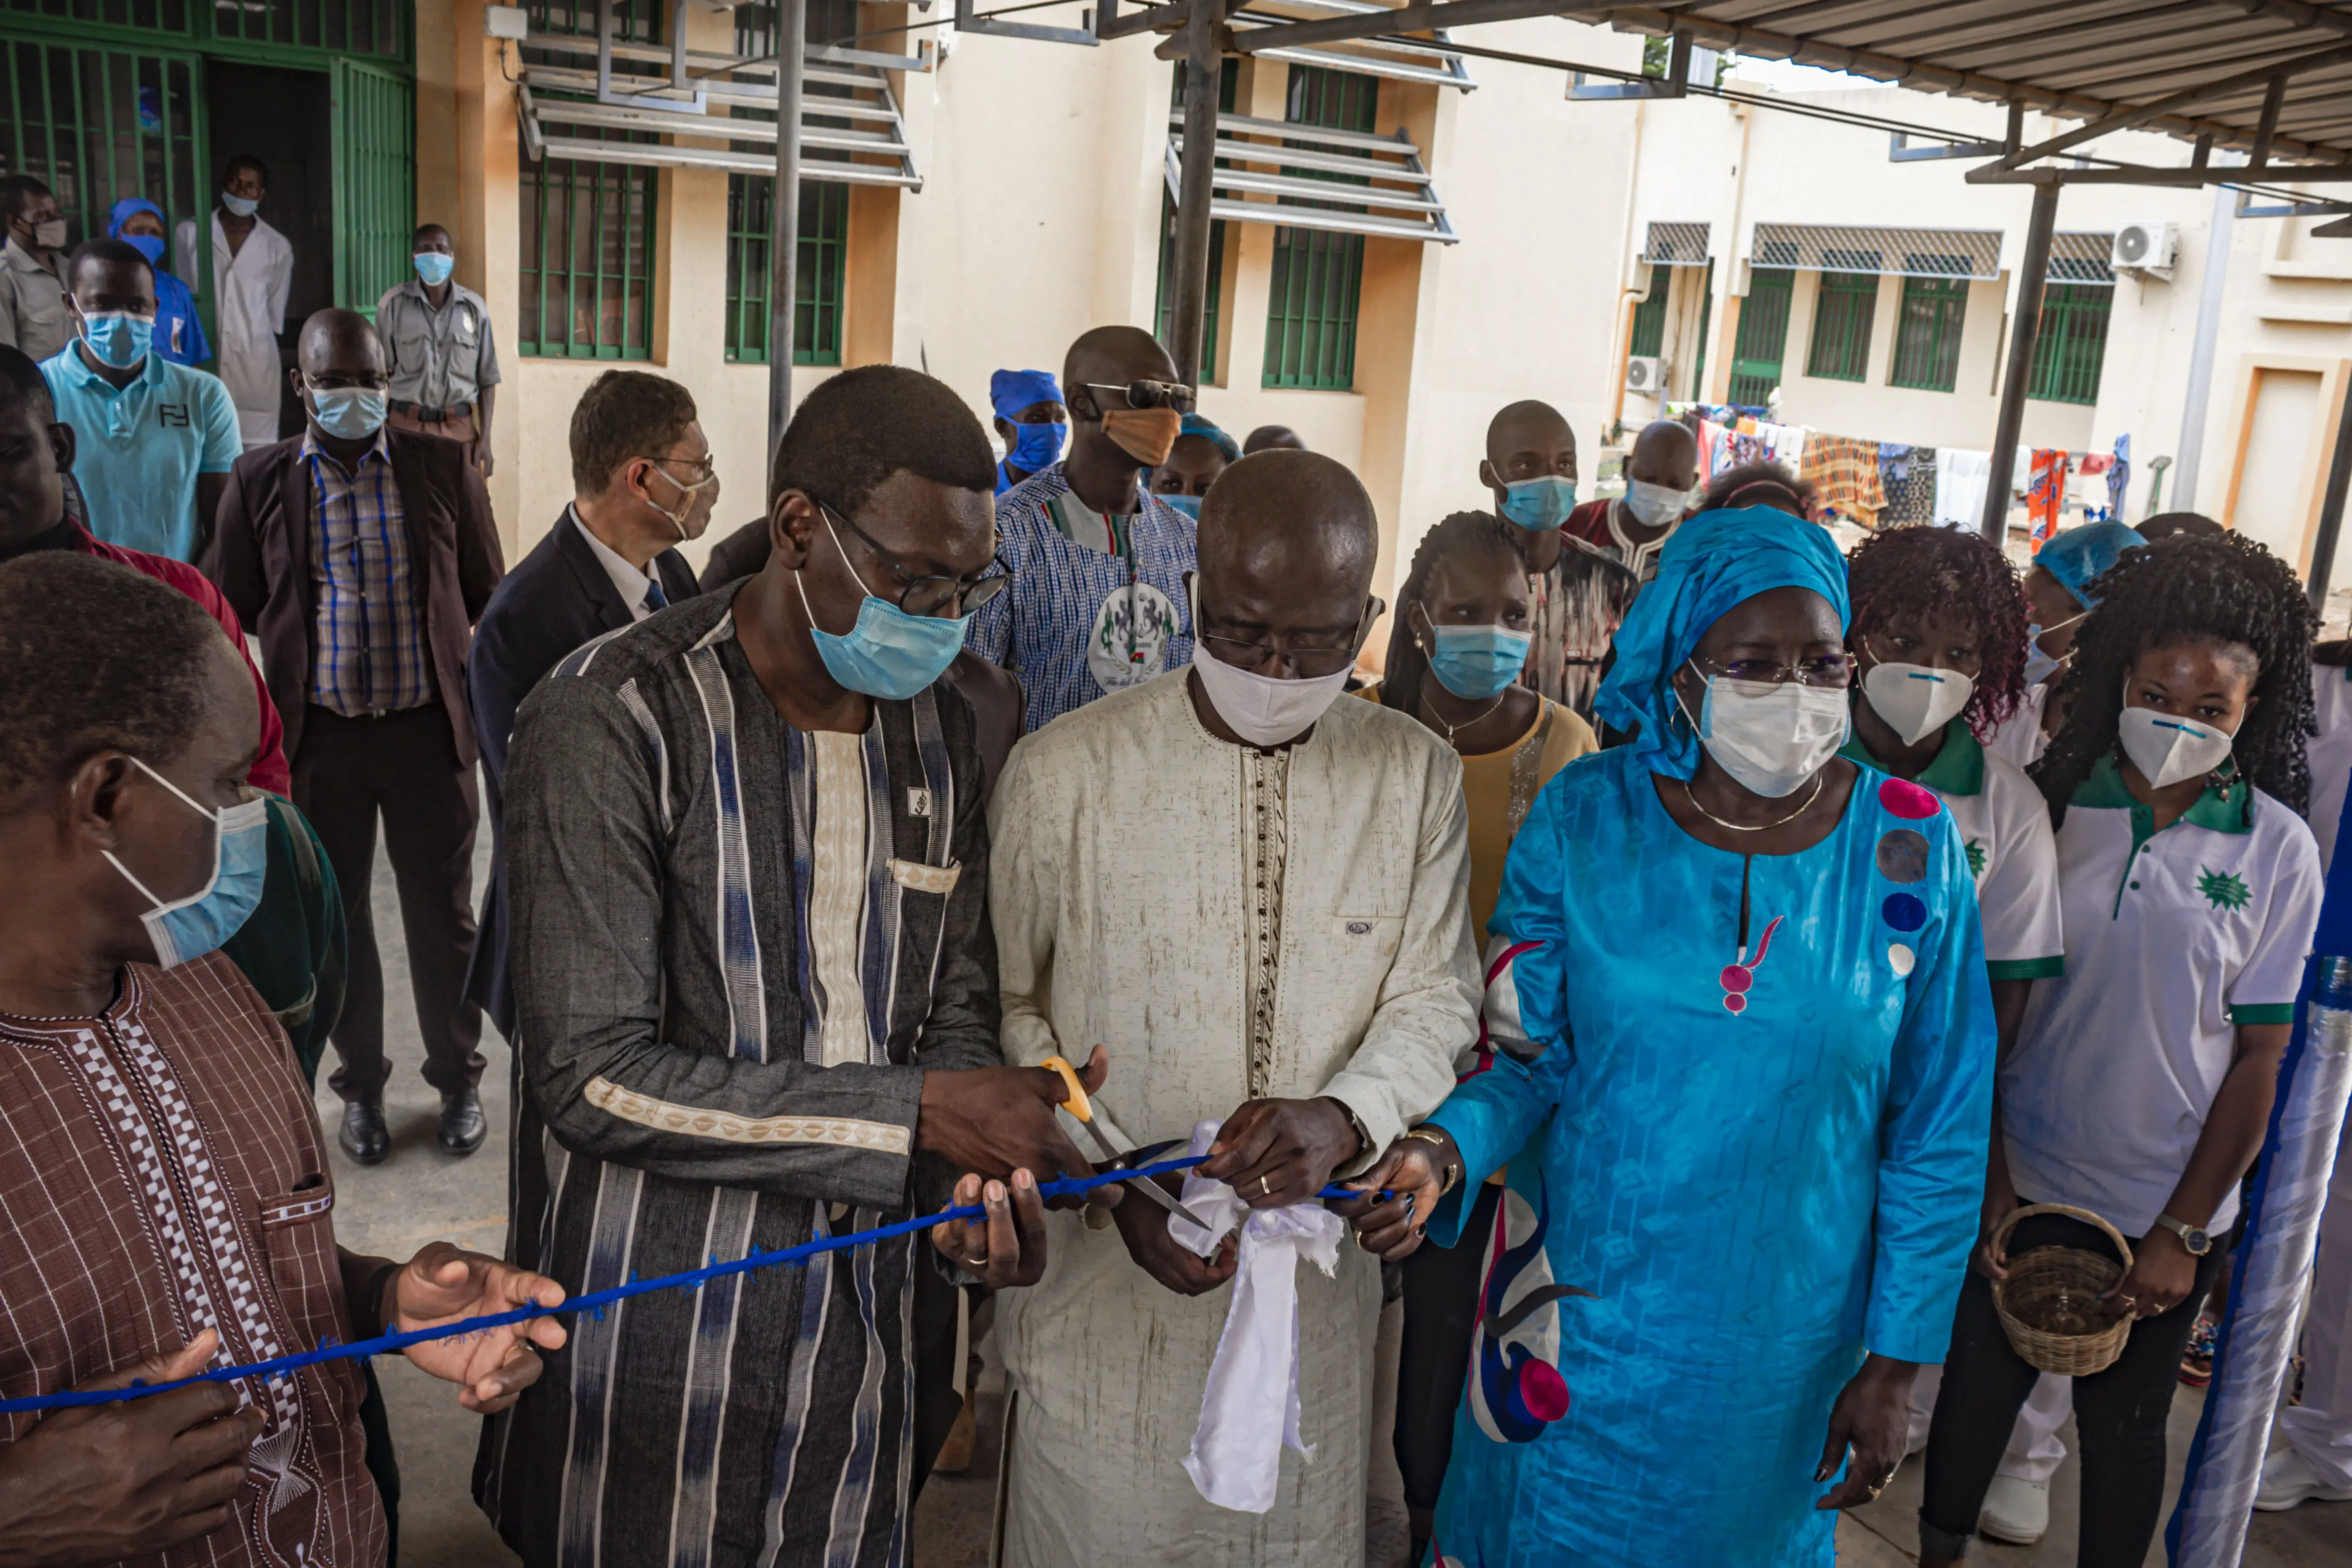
point(596, 1302)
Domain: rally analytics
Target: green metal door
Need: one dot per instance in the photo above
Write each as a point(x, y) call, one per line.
point(1763, 335)
point(96, 124)
point(376, 183)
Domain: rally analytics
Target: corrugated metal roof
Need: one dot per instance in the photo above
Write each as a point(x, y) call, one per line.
point(2083, 59)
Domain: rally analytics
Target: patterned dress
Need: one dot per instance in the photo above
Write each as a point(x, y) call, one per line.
point(1745, 1101)
point(1097, 602)
point(738, 948)
point(162, 1172)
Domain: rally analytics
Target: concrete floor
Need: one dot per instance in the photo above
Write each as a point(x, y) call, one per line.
point(419, 1195)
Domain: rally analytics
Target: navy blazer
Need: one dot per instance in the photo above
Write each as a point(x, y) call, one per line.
point(558, 597)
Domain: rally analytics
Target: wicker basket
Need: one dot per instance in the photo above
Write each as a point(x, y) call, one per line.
point(2049, 1304)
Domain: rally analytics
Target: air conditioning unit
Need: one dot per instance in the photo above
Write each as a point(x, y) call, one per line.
point(1645, 373)
point(2146, 247)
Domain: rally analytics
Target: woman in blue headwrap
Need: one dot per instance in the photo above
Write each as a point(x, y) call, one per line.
point(1201, 451)
point(1737, 1052)
point(179, 335)
point(2058, 593)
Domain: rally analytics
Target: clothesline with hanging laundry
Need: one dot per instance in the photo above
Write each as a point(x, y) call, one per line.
point(596, 1302)
point(1890, 484)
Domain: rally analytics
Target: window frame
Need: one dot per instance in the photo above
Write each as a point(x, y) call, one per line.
point(2070, 344)
point(1316, 278)
point(1935, 304)
point(627, 181)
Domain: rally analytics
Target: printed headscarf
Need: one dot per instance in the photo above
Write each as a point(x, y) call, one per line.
point(1714, 561)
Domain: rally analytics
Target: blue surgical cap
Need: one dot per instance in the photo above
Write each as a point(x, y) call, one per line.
point(1711, 563)
point(120, 214)
point(2079, 554)
point(1011, 391)
point(1211, 432)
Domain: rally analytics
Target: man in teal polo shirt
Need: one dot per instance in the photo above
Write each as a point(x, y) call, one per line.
point(153, 441)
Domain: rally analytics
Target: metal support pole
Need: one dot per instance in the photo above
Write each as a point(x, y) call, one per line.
point(2331, 508)
point(2213, 291)
point(784, 218)
point(1189, 310)
point(2024, 326)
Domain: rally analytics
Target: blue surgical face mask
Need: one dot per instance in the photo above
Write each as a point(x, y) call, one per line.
point(2040, 666)
point(1539, 503)
point(1477, 662)
point(434, 266)
point(1035, 447)
point(1189, 505)
point(240, 206)
point(149, 246)
point(189, 927)
point(118, 338)
point(348, 413)
point(888, 653)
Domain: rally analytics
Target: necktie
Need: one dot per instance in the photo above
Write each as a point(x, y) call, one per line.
point(655, 598)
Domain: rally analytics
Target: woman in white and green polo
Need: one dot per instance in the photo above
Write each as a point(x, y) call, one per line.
point(2142, 1080)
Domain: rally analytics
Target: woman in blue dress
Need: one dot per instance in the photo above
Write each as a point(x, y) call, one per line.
point(1740, 1051)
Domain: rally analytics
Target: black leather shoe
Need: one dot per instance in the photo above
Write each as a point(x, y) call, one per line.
point(463, 1125)
point(364, 1137)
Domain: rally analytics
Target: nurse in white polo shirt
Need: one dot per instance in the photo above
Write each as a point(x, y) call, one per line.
point(2143, 1077)
point(1939, 645)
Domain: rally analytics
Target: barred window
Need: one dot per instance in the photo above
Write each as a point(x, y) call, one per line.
point(2071, 344)
point(1228, 83)
point(1318, 275)
point(1650, 315)
point(586, 280)
point(820, 271)
point(1927, 330)
point(1842, 319)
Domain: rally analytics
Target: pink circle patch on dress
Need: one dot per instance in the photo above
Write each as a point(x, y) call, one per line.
point(1735, 1003)
point(1737, 978)
point(1906, 799)
point(1542, 1391)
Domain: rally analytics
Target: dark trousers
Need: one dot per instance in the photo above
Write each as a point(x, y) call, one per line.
point(2120, 1413)
point(404, 767)
point(1441, 1311)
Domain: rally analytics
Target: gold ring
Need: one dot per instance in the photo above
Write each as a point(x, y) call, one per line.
point(976, 1262)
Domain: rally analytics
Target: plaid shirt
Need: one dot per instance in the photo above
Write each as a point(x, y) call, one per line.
point(367, 650)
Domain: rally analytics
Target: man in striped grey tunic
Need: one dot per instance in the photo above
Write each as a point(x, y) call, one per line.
point(757, 995)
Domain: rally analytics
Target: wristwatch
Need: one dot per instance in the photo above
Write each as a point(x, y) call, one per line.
point(2193, 1241)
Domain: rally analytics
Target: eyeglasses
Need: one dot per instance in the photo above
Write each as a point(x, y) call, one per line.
point(1172, 395)
point(930, 595)
point(1310, 660)
point(1828, 669)
point(702, 468)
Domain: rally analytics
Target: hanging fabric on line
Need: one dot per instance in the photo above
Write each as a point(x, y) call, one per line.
point(2045, 495)
point(1844, 470)
point(2119, 478)
point(1961, 478)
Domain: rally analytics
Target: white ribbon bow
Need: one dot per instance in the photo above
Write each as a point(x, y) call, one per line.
point(1249, 1409)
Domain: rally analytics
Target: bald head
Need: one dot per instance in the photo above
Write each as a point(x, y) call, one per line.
point(1288, 542)
point(337, 343)
point(1666, 453)
point(1273, 438)
point(1113, 356)
point(1528, 426)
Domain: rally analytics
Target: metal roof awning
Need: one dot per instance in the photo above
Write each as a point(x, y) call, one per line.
point(851, 130)
point(1676, 245)
point(1286, 188)
point(1893, 252)
point(1404, 60)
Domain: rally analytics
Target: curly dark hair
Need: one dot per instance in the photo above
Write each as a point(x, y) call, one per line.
point(1909, 571)
point(1459, 535)
point(1759, 484)
point(2191, 586)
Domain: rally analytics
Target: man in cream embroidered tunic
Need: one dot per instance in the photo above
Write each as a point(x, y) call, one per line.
point(755, 980)
point(1257, 899)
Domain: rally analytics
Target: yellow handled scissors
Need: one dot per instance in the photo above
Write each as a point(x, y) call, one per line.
point(1079, 1106)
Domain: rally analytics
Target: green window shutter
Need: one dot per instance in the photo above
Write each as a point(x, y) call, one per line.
point(2072, 345)
point(819, 277)
point(1763, 335)
point(1927, 330)
point(1318, 276)
point(378, 27)
point(586, 280)
point(633, 21)
point(100, 122)
point(1842, 318)
point(376, 183)
point(1650, 315)
point(1216, 283)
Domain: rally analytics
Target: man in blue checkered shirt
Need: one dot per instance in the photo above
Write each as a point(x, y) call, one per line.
point(1097, 597)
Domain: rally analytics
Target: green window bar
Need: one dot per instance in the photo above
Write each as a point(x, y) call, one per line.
point(1317, 276)
point(633, 21)
point(376, 183)
point(1216, 283)
point(1762, 339)
point(97, 125)
point(2072, 346)
point(1650, 315)
point(1705, 314)
point(1841, 317)
point(350, 26)
point(143, 16)
point(819, 278)
point(586, 280)
point(1927, 330)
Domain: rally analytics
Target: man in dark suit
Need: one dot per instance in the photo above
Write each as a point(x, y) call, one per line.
point(642, 483)
point(362, 556)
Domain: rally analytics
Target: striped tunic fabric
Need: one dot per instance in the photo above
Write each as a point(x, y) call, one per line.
point(721, 1042)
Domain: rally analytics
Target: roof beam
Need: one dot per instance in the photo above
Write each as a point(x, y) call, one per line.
point(1410, 19)
point(2172, 104)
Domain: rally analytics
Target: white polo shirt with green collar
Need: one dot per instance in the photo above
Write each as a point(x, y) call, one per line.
point(2173, 941)
point(2005, 828)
